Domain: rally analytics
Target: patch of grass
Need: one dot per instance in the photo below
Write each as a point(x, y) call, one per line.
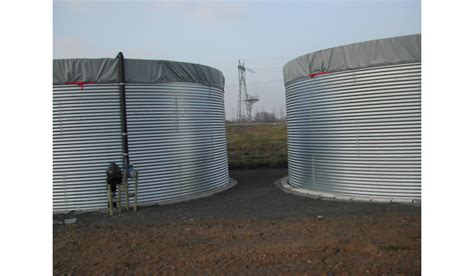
point(257, 145)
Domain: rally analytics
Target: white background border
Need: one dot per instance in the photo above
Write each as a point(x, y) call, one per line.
point(447, 157)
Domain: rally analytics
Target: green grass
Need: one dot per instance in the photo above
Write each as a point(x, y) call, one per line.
point(257, 145)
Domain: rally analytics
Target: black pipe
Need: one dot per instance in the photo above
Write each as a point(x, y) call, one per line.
point(123, 111)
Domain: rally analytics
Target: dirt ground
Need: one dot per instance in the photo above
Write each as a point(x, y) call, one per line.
point(253, 228)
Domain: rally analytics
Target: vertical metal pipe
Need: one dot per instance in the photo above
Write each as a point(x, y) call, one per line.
point(111, 203)
point(135, 193)
point(123, 113)
point(123, 116)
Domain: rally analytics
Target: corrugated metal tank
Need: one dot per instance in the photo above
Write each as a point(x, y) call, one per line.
point(354, 123)
point(176, 130)
point(86, 137)
point(177, 140)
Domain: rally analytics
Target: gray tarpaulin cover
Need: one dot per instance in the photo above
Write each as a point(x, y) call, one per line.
point(100, 70)
point(389, 51)
point(106, 70)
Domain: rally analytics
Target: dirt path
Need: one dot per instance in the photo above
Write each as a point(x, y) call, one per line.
point(253, 227)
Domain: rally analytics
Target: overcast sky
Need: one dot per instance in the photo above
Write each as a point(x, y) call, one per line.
point(266, 35)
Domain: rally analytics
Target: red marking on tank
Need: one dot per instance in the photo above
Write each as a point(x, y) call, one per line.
point(317, 74)
point(80, 83)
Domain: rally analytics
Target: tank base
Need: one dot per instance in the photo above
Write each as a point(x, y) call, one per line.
point(283, 184)
point(232, 183)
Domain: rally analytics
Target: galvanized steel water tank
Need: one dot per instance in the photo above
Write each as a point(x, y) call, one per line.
point(176, 130)
point(354, 120)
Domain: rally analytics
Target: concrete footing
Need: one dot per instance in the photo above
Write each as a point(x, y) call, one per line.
point(232, 183)
point(283, 184)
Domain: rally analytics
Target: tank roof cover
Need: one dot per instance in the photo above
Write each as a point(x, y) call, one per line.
point(106, 70)
point(389, 51)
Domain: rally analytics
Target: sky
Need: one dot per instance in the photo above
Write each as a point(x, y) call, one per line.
point(264, 34)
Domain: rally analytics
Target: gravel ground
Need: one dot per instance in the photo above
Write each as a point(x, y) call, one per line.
point(252, 228)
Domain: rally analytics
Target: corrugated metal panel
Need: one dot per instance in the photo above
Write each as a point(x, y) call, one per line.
point(177, 140)
point(86, 137)
point(357, 133)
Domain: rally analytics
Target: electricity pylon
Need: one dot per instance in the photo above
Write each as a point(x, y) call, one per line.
point(249, 100)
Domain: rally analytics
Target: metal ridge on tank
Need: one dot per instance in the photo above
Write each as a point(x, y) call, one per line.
point(354, 121)
point(172, 114)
